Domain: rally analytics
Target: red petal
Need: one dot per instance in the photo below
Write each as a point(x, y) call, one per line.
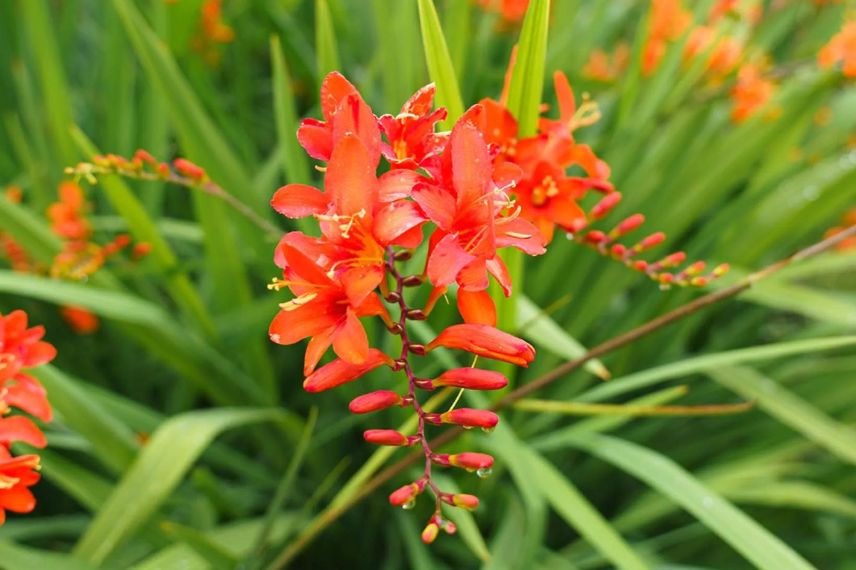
point(21, 429)
point(565, 97)
point(307, 320)
point(476, 307)
point(28, 395)
point(350, 178)
point(299, 201)
point(487, 341)
point(315, 350)
point(394, 219)
point(420, 103)
point(397, 184)
point(471, 167)
point(521, 234)
point(316, 138)
point(334, 89)
point(447, 259)
point(350, 341)
point(339, 372)
point(437, 203)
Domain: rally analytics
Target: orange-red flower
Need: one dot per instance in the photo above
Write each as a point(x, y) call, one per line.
point(81, 320)
point(21, 347)
point(841, 48)
point(510, 10)
point(751, 92)
point(668, 21)
point(66, 215)
point(410, 136)
point(17, 475)
point(340, 372)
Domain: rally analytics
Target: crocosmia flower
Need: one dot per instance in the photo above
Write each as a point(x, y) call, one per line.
point(21, 348)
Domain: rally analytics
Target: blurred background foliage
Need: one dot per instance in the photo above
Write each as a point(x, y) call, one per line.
point(177, 420)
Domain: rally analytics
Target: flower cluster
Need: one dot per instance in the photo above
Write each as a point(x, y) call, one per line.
point(20, 348)
point(841, 48)
point(464, 195)
point(445, 190)
point(80, 256)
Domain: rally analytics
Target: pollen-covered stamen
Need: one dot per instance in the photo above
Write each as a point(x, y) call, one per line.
point(587, 114)
point(297, 302)
point(546, 189)
point(345, 222)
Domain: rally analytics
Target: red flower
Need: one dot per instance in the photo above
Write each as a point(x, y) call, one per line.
point(17, 475)
point(842, 47)
point(410, 134)
point(374, 401)
point(344, 112)
point(67, 214)
point(471, 379)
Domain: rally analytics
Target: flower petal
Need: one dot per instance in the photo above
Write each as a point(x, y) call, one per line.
point(299, 201)
point(476, 307)
point(339, 372)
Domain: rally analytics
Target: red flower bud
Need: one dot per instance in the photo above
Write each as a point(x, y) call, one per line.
point(429, 535)
point(403, 495)
point(469, 417)
point(673, 259)
point(374, 401)
point(468, 460)
point(189, 169)
point(471, 379)
point(721, 270)
point(486, 341)
point(388, 437)
point(595, 237)
point(462, 500)
point(650, 241)
point(629, 224)
point(606, 204)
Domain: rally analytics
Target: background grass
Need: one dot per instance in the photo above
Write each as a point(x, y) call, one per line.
point(182, 361)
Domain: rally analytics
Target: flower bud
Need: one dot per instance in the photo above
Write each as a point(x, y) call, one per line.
point(721, 270)
point(471, 379)
point(464, 501)
point(189, 169)
point(652, 240)
point(595, 237)
point(606, 204)
point(469, 417)
point(403, 495)
point(468, 460)
point(628, 225)
point(487, 341)
point(388, 437)
point(374, 401)
point(429, 535)
point(340, 372)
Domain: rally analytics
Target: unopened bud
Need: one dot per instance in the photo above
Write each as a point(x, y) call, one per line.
point(429, 535)
point(468, 460)
point(695, 268)
point(403, 495)
point(472, 379)
point(403, 255)
point(469, 417)
point(618, 250)
point(699, 281)
point(416, 315)
point(595, 237)
point(464, 501)
point(413, 281)
point(606, 204)
point(388, 437)
point(628, 225)
point(673, 259)
point(189, 169)
point(721, 270)
point(393, 297)
point(374, 401)
point(417, 349)
point(650, 241)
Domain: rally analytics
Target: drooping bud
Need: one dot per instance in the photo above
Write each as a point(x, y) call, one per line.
point(628, 225)
point(606, 204)
point(429, 534)
point(469, 460)
point(467, 417)
point(462, 500)
point(471, 379)
point(388, 437)
point(486, 341)
point(595, 237)
point(404, 495)
point(652, 240)
point(374, 401)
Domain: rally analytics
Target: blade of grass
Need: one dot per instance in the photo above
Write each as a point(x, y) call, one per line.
point(440, 62)
point(779, 402)
point(158, 469)
point(749, 538)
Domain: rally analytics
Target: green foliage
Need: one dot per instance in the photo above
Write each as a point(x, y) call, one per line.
point(183, 438)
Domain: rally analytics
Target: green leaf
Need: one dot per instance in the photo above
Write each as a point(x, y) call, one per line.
point(702, 363)
point(325, 40)
point(527, 77)
point(15, 556)
point(547, 334)
point(157, 471)
point(753, 541)
point(295, 164)
point(837, 438)
point(113, 442)
point(439, 62)
point(531, 470)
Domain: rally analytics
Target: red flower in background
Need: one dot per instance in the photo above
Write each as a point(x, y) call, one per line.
point(20, 348)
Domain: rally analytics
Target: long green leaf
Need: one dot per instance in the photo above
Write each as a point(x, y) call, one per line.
point(439, 61)
point(158, 470)
point(527, 77)
point(749, 538)
point(789, 409)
